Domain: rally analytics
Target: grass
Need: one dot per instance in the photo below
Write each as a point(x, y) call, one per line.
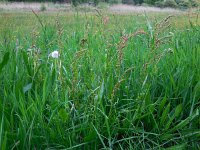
point(121, 81)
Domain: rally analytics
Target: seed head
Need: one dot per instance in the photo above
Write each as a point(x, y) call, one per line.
point(55, 54)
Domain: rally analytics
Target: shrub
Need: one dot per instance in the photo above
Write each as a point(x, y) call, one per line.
point(96, 2)
point(115, 1)
point(127, 1)
point(74, 3)
point(195, 3)
point(183, 4)
point(170, 3)
point(151, 2)
point(159, 4)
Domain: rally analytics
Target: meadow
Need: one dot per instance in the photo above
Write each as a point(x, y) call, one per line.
point(119, 81)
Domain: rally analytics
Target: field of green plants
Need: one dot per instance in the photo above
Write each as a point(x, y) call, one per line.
point(99, 81)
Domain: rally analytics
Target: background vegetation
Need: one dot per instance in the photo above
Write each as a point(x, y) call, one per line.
point(158, 3)
point(120, 82)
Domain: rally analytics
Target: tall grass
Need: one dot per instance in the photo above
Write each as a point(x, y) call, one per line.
point(116, 85)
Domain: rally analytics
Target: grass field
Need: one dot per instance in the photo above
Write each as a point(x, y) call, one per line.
point(121, 81)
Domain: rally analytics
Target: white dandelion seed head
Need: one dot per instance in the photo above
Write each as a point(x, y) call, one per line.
point(55, 54)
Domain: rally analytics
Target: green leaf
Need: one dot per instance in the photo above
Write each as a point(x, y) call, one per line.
point(91, 136)
point(164, 115)
point(178, 110)
point(3, 147)
point(183, 123)
point(191, 133)
point(162, 104)
point(4, 61)
point(167, 125)
point(2, 129)
point(177, 147)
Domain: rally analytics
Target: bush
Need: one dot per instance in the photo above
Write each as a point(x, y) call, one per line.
point(170, 3)
point(195, 3)
point(183, 4)
point(159, 4)
point(127, 1)
point(151, 2)
point(96, 2)
point(74, 3)
point(115, 1)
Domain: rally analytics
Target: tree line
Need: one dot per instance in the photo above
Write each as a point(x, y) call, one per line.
point(158, 3)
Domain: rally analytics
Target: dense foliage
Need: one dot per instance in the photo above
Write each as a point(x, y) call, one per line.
point(158, 3)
